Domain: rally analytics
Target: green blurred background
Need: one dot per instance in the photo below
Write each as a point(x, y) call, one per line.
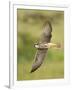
point(29, 29)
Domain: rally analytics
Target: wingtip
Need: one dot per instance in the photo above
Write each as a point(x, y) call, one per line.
point(31, 71)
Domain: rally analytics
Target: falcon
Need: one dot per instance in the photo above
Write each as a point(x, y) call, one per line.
point(43, 45)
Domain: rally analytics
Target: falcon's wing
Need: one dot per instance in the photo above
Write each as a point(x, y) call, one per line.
point(40, 54)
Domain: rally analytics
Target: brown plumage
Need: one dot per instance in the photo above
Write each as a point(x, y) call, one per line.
point(41, 52)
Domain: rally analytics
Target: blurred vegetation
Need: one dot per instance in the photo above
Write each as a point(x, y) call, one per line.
point(29, 29)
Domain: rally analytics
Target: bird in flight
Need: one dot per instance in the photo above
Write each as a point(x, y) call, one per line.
point(43, 45)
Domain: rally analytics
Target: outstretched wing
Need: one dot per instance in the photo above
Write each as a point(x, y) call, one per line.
point(45, 38)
